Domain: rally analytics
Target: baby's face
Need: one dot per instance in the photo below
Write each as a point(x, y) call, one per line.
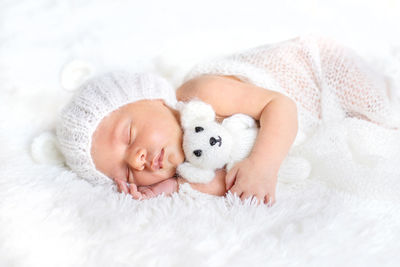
point(139, 143)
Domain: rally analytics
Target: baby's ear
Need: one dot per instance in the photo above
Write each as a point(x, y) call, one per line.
point(194, 112)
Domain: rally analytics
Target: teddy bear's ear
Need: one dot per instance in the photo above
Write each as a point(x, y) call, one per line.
point(194, 112)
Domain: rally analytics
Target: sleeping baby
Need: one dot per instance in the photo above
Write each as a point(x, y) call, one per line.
point(125, 129)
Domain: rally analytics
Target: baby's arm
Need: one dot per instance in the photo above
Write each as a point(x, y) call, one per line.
point(167, 187)
point(215, 187)
point(257, 174)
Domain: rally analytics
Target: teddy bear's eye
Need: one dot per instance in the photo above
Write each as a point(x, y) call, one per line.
point(198, 129)
point(197, 153)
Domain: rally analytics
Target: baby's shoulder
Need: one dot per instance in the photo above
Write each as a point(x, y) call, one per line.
point(202, 86)
point(228, 95)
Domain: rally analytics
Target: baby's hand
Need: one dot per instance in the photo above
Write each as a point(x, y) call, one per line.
point(131, 189)
point(249, 178)
point(167, 187)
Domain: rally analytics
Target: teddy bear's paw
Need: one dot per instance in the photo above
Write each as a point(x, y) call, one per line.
point(294, 169)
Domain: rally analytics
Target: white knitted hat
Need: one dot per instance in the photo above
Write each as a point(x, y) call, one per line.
point(96, 99)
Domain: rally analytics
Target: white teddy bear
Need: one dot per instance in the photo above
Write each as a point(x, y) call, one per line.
point(209, 145)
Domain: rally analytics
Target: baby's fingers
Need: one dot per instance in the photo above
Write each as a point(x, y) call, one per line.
point(230, 178)
point(122, 186)
point(245, 196)
point(134, 192)
point(146, 192)
point(236, 190)
point(258, 198)
point(269, 200)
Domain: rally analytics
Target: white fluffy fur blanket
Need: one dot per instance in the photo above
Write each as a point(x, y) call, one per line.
point(346, 213)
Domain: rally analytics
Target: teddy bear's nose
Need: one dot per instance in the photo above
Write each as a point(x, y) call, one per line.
point(197, 153)
point(213, 141)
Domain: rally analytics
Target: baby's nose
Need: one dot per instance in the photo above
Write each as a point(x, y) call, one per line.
point(138, 159)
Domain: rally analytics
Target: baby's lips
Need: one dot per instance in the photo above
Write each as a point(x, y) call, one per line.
point(157, 164)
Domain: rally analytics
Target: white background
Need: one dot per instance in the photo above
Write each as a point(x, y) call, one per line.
point(37, 38)
point(48, 217)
